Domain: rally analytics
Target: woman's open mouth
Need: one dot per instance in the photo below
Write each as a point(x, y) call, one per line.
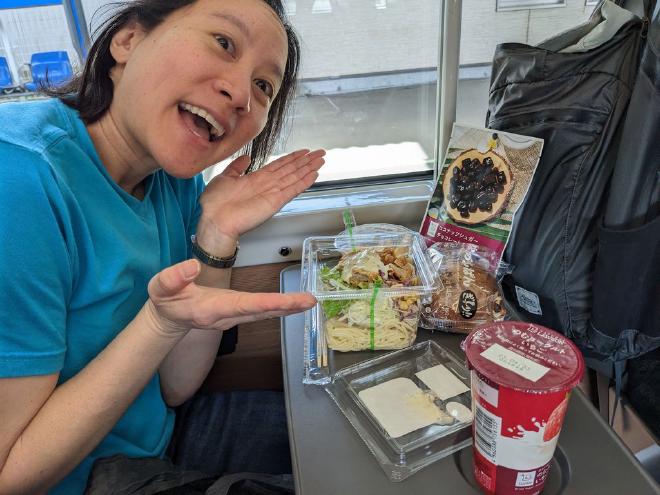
point(201, 123)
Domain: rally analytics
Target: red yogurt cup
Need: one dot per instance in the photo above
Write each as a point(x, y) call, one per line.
point(522, 376)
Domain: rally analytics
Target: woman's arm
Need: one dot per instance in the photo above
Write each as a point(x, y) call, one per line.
point(54, 429)
point(187, 365)
point(47, 431)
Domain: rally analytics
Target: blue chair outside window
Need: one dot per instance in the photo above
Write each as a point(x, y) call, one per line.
point(5, 75)
point(53, 68)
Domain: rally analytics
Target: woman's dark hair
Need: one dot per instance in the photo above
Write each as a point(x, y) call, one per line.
point(91, 91)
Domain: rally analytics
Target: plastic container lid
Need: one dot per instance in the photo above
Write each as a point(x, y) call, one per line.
point(524, 357)
point(376, 228)
point(404, 455)
point(319, 251)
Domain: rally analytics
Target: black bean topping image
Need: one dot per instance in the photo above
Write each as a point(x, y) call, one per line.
point(475, 185)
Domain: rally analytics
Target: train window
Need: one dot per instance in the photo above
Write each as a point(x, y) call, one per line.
point(33, 33)
point(369, 78)
point(369, 81)
point(369, 85)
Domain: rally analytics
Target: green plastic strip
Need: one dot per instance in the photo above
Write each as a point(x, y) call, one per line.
point(372, 326)
point(349, 223)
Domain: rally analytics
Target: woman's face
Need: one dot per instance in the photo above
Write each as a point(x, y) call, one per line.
point(199, 86)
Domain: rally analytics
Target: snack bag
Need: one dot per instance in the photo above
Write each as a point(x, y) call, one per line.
point(468, 296)
point(484, 179)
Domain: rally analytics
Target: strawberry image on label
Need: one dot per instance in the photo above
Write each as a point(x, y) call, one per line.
point(553, 427)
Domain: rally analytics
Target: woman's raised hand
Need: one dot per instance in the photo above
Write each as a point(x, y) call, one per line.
point(236, 203)
point(176, 304)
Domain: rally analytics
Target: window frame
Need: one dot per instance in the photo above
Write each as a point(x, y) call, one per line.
point(512, 5)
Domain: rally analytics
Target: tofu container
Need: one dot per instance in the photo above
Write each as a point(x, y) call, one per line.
point(382, 419)
point(370, 290)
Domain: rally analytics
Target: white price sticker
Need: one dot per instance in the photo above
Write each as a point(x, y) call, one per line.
point(513, 361)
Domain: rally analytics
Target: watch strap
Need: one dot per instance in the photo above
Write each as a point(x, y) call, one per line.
point(211, 260)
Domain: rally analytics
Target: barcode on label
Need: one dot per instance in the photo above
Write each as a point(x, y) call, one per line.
point(487, 427)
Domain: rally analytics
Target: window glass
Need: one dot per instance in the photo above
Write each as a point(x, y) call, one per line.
point(95, 11)
point(27, 33)
point(368, 86)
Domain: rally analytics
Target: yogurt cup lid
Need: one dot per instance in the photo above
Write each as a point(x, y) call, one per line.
point(524, 356)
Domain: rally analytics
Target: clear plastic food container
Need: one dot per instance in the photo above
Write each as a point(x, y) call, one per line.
point(370, 289)
point(411, 407)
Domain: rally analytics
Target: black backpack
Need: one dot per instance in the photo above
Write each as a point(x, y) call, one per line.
point(585, 245)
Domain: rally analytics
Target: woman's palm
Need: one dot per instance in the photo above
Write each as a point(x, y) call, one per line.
point(239, 202)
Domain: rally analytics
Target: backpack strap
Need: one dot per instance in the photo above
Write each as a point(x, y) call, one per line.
point(619, 368)
point(630, 343)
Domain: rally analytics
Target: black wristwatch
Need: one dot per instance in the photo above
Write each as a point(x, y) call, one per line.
point(209, 259)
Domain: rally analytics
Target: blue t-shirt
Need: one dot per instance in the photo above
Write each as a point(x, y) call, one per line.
point(76, 254)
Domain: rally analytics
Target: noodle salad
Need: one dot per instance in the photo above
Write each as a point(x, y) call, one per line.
point(378, 323)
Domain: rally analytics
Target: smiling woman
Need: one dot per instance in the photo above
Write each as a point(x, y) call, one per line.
point(112, 323)
point(226, 35)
